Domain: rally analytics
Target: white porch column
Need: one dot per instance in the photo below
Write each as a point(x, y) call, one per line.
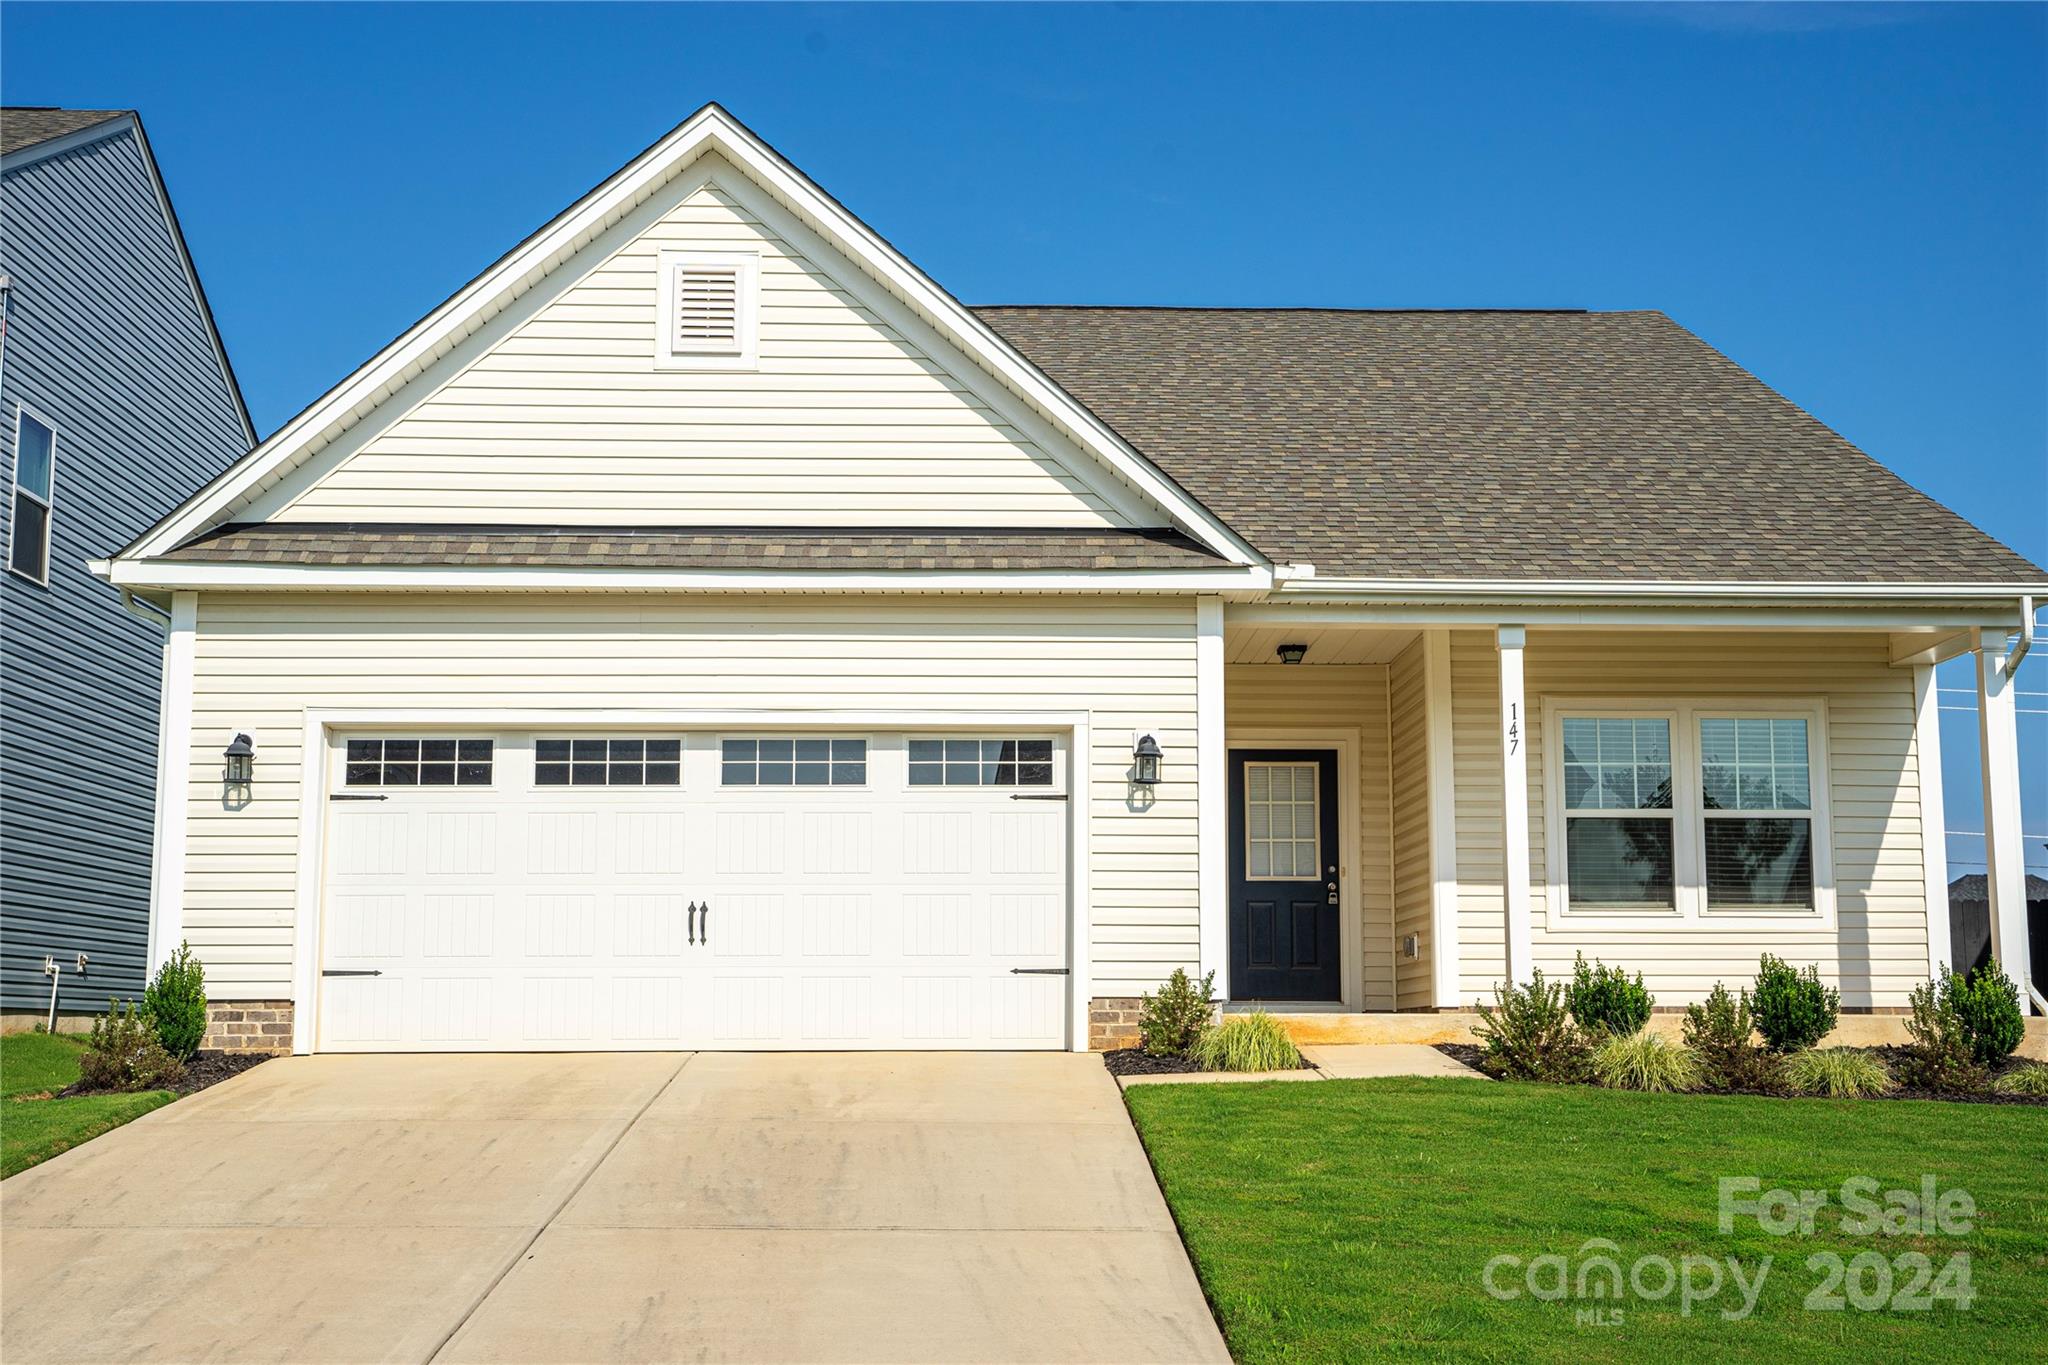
point(1514, 751)
point(1212, 796)
point(1933, 818)
point(173, 767)
point(2005, 869)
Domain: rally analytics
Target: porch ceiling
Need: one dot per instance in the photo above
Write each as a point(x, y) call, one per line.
point(1326, 644)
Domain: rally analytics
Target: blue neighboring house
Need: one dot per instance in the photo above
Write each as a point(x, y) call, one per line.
point(116, 403)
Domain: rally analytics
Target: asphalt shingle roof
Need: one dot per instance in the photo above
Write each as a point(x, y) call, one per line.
point(1497, 445)
point(829, 549)
point(26, 125)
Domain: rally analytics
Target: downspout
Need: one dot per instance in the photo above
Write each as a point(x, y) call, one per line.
point(2013, 656)
point(145, 610)
point(6, 306)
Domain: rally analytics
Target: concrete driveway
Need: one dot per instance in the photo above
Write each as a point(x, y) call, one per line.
point(786, 1207)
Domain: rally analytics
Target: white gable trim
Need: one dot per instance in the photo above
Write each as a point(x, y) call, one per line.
point(114, 127)
point(710, 129)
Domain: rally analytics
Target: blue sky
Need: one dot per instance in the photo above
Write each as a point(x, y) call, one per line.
point(1850, 200)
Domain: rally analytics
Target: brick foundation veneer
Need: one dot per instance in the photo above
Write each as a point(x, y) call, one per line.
point(248, 1026)
point(1112, 1022)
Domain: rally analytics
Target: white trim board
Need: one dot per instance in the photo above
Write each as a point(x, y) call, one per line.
point(315, 768)
point(709, 131)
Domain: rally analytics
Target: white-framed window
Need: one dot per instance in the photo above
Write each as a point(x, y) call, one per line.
point(975, 762)
point(1621, 834)
point(1756, 801)
point(646, 761)
point(1698, 808)
point(1282, 821)
point(793, 762)
point(410, 761)
point(35, 482)
point(710, 310)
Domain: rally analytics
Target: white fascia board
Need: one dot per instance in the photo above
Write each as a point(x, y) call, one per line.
point(160, 575)
point(1595, 591)
point(1715, 610)
point(710, 129)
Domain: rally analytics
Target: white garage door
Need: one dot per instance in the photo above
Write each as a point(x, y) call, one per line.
point(585, 891)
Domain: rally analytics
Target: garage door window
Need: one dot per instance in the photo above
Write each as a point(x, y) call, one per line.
point(981, 763)
point(608, 762)
point(419, 763)
point(794, 763)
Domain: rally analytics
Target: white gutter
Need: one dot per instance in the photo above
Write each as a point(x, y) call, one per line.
point(1307, 588)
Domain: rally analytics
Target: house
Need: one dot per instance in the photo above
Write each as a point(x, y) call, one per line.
point(116, 401)
point(1969, 912)
point(703, 631)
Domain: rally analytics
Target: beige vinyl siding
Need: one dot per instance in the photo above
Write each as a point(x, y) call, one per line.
point(1876, 950)
point(1348, 699)
point(262, 660)
point(568, 420)
point(1408, 765)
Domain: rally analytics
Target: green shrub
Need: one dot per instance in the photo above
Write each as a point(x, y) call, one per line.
point(1939, 1057)
point(1173, 1021)
point(2030, 1080)
point(1247, 1042)
point(1529, 1035)
point(1793, 1010)
point(1842, 1073)
point(175, 1003)
point(1603, 999)
point(123, 1053)
point(1988, 1004)
point(1721, 1035)
point(1644, 1061)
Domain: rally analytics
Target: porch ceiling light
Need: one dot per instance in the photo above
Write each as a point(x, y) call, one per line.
point(1291, 654)
point(1145, 758)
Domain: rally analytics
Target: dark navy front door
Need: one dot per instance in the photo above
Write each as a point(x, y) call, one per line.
point(1283, 875)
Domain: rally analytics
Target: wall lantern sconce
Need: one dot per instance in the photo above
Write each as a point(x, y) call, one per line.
point(240, 769)
point(1145, 758)
point(1291, 654)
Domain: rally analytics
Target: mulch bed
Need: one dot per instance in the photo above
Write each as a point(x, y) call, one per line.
point(1135, 1061)
point(1891, 1055)
point(205, 1068)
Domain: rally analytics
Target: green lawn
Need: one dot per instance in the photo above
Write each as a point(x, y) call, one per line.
point(33, 1130)
point(1354, 1220)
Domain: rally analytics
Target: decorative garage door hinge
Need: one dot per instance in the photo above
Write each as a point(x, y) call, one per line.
point(1038, 971)
point(357, 796)
point(365, 972)
point(1038, 796)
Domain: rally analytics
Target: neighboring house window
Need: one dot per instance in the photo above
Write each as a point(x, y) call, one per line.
point(35, 469)
point(419, 763)
point(608, 762)
point(1756, 790)
point(1690, 808)
point(1282, 828)
point(709, 311)
point(1620, 831)
point(981, 763)
point(793, 763)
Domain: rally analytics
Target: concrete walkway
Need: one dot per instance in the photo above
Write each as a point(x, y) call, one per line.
point(622, 1207)
point(1331, 1062)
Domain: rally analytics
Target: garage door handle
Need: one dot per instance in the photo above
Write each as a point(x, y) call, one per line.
point(1038, 971)
point(371, 972)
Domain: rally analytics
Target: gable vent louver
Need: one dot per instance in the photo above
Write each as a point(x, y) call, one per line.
point(707, 310)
